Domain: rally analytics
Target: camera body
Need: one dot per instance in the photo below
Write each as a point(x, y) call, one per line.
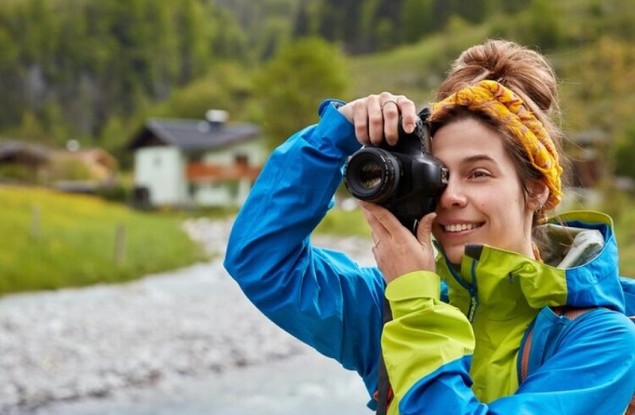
point(404, 178)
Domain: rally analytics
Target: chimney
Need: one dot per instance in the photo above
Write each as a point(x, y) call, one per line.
point(216, 118)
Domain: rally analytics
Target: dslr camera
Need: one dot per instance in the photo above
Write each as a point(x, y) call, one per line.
point(405, 178)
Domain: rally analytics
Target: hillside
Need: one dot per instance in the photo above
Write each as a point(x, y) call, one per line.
point(93, 71)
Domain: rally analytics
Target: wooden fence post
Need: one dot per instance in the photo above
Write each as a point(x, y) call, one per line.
point(120, 244)
point(36, 222)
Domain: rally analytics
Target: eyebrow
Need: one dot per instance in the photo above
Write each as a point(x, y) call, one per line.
point(478, 157)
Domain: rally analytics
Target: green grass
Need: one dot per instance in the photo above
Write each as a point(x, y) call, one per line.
point(52, 240)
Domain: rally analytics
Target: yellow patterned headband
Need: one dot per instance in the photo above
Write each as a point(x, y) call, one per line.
point(498, 102)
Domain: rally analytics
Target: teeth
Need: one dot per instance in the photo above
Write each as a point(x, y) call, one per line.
point(460, 227)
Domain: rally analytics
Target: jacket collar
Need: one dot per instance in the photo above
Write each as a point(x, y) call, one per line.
point(504, 283)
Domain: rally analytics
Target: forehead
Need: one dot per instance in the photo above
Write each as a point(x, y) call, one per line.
point(468, 138)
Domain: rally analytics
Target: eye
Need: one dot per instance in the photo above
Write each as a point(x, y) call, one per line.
point(479, 173)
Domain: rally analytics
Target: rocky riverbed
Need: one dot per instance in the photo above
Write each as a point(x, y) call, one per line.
point(80, 344)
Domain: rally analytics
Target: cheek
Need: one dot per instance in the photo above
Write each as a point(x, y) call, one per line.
point(502, 210)
point(511, 215)
point(506, 200)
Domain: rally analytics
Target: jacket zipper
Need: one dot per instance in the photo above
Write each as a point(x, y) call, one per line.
point(471, 289)
point(473, 305)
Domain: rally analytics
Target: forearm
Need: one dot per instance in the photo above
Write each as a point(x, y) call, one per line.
point(290, 197)
point(425, 334)
point(322, 297)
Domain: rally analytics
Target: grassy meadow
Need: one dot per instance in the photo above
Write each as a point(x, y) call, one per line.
point(52, 240)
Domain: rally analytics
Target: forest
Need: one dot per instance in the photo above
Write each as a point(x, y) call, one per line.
point(92, 71)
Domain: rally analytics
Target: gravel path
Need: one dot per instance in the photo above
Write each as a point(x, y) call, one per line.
point(79, 344)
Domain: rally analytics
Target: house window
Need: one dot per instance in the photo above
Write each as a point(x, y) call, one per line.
point(241, 159)
point(196, 156)
point(233, 187)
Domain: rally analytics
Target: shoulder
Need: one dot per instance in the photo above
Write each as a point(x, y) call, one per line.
point(602, 330)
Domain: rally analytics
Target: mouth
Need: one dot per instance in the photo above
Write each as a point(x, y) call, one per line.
point(461, 227)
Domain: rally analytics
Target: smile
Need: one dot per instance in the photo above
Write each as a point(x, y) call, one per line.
point(460, 227)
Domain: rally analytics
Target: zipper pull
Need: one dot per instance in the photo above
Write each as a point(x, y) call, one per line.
point(472, 309)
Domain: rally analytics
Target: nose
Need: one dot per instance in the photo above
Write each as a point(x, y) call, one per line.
point(453, 195)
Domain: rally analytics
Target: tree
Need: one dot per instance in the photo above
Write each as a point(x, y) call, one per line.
point(544, 26)
point(292, 84)
point(417, 19)
point(625, 154)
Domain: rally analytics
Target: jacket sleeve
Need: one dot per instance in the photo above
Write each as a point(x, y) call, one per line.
point(320, 296)
point(428, 346)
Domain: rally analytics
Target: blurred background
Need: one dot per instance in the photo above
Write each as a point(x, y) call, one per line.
point(172, 107)
point(122, 120)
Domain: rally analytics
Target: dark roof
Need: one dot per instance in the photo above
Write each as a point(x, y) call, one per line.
point(12, 149)
point(192, 134)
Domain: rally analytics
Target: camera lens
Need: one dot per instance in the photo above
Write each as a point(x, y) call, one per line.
point(372, 174)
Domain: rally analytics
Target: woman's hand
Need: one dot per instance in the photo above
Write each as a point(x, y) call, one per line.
point(375, 117)
point(397, 251)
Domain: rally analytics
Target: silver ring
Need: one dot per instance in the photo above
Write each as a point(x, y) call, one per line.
point(381, 106)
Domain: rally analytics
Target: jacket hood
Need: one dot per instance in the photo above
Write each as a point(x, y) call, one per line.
point(590, 259)
point(579, 269)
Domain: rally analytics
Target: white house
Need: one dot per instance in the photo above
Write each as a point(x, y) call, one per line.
point(181, 162)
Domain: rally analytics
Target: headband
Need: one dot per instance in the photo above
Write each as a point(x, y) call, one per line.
point(499, 102)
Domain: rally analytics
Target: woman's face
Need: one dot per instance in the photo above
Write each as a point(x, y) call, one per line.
point(484, 201)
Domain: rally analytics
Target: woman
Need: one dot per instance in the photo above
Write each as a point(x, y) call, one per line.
point(456, 352)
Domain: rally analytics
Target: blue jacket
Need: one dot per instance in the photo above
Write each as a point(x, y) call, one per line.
point(438, 359)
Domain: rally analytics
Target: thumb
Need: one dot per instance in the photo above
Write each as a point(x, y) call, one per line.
point(424, 230)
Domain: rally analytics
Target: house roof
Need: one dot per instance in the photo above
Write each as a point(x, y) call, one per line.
point(190, 134)
point(90, 156)
point(11, 150)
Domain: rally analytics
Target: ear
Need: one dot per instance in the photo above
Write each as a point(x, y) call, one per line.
point(537, 195)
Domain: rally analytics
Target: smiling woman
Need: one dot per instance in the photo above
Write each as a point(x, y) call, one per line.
point(460, 318)
point(484, 197)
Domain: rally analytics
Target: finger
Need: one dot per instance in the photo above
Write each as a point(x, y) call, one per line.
point(360, 121)
point(370, 211)
point(375, 120)
point(409, 116)
point(388, 226)
point(347, 110)
point(393, 107)
point(390, 115)
point(374, 224)
point(368, 120)
point(424, 236)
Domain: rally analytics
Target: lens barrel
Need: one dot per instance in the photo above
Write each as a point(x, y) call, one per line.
point(372, 174)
